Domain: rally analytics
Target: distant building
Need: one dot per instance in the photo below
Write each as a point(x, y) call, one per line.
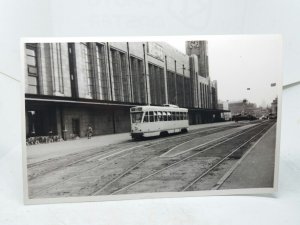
point(260, 111)
point(274, 106)
point(242, 107)
point(223, 105)
point(72, 85)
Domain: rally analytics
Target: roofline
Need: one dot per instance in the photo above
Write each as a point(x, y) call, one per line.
point(70, 100)
point(166, 108)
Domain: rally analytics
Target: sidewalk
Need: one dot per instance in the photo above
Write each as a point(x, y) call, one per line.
point(42, 152)
point(51, 150)
point(255, 170)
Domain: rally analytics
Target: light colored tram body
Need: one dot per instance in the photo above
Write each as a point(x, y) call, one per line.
point(148, 121)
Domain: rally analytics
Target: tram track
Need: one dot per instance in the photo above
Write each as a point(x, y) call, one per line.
point(155, 140)
point(107, 153)
point(163, 169)
point(130, 168)
point(97, 165)
point(210, 169)
point(66, 180)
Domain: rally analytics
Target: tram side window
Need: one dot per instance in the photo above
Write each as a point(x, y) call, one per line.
point(146, 117)
point(177, 116)
point(151, 116)
point(165, 116)
point(169, 116)
point(155, 116)
point(173, 116)
point(159, 116)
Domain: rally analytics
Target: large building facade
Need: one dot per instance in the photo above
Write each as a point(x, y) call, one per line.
point(70, 86)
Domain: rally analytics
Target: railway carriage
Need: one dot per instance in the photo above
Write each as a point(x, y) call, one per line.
point(148, 121)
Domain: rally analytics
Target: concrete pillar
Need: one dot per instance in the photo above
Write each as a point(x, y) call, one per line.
point(175, 77)
point(147, 79)
point(166, 80)
point(111, 83)
point(129, 69)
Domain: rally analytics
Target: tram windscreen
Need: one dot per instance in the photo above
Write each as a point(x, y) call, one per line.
point(136, 117)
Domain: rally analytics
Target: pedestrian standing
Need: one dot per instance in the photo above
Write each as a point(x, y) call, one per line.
point(89, 131)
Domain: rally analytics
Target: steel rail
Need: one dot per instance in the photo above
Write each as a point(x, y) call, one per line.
point(201, 130)
point(118, 151)
point(82, 172)
point(184, 159)
point(221, 161)
point(77, 175)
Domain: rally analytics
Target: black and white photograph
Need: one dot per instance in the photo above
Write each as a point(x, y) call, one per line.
point(109, 118)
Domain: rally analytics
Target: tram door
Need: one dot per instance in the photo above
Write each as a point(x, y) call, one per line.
point(76, 127)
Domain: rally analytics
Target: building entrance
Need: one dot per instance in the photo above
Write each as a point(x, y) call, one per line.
point(76, 127)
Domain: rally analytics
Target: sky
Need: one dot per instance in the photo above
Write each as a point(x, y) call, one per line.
point(241, 62)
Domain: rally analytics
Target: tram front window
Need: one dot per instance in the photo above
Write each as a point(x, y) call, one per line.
point(137, 117)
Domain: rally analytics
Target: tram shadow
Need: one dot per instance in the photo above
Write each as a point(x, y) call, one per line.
point(162, 135)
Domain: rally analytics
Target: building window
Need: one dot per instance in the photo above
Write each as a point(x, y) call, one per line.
point(121, 79)
point(138, 80)
point(187, 92)
point(214, 98)
point(157, 85)
point(203, 96)
point(32, 68)
point(57, 67)
point(171, 87)
point(200, 96)
point(125, 77)
point(87, 66)
point(60, 67)
point(180, 89)
point(102, 72)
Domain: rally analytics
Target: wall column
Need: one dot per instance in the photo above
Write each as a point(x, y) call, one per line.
point(166, 80)
point(147, 79)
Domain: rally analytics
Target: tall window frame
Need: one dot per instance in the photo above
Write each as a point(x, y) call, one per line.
point(138, 80)
point(31, 51)
point(102, 72)
point(88, 68)
point(157, 84)
point(120, 74)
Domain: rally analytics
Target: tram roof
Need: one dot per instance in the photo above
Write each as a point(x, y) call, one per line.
point(160, 108)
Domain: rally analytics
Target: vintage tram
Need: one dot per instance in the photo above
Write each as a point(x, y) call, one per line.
point(148, 121)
